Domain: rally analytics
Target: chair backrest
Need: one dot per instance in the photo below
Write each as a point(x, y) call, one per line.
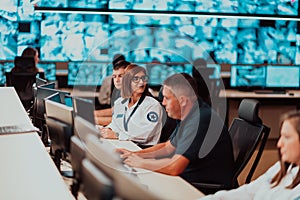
point(247, 132)
point(23, 84)
point(95, 184)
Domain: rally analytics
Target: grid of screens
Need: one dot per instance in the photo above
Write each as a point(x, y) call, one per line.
point(5, 67)
point(49, 70)
point(99, 37)
point(86, 73)
point(269, 77)
point(286, 7)
point(159, 72)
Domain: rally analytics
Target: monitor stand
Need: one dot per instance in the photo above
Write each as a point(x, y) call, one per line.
point(270, 91)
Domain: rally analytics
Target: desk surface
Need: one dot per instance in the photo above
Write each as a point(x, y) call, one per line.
point(27, 171)
point(231, 93)
point(165, 186)
point(12, 111)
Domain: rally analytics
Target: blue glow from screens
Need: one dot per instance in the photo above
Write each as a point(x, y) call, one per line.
point(283, 76)
point(247, 76)
point(159, 72)
point(49, 70)
point(59, 31)
point(217, 72)
point(5, 67)
point(86, 73)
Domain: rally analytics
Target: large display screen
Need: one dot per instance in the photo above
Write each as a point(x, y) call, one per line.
point(87, 73)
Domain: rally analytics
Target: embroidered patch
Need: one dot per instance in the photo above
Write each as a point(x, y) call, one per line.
point(152, 116)
point(119, 115)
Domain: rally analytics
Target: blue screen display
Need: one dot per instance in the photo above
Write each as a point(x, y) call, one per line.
point(283, 76)
point(5, 67)
point(49, 69)
point(247, 76)
point(87, 73)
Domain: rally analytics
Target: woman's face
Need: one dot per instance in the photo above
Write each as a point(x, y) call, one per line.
point(138, 84)
point(289, 143)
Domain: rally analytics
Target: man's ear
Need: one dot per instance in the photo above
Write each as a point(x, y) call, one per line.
point(183, 101)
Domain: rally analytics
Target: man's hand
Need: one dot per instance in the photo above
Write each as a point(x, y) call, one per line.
point(124, 152)
point(134, 160)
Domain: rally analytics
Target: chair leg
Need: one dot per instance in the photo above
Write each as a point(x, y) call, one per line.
point(75, 188)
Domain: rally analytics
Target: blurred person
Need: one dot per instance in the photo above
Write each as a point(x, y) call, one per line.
point(30, 52)
point(110, 90)
point(183, 154)
point(137, 116)
point(282, 180)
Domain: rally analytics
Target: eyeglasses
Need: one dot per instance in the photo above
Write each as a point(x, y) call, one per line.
point(137, 79)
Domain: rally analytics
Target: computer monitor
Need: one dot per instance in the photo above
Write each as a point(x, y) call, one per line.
point(283, 77)
point(127, 185)
point(49, 70)
point(42, 93)
point(54, 97)
point(90, 74)
point(50, 85)
point(59, 111)
point(84, 108)
point(39, 81)
point(248, 77)
point(68, 101)
point(83, 128)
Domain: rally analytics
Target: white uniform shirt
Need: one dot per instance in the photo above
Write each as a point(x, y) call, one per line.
point(144, 126)
point(261, 188)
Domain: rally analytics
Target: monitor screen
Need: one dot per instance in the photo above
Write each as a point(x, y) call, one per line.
point(247, 76)
point(87, 73)
point(84, 108)
point(59, 111)
point(49, 70)
point(283, 76)
point(5, 67)
point(159, 72)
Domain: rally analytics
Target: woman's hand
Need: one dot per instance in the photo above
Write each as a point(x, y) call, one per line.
point(107, 133)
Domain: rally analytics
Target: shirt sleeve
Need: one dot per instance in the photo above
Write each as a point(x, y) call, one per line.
point(246, 191)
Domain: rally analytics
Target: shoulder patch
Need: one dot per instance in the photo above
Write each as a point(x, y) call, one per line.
point(152, 116)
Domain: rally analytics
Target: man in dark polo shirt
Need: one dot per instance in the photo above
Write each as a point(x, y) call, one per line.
point(199, 149)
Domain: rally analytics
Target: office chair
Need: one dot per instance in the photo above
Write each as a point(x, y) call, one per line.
point(95, 184)
point(247, 133)
point(60, 135)
point(77, 150)
point(23, 84)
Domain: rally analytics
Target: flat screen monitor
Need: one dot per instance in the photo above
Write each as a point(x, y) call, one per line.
point(49, 70)
point(39, 81)
point(247, 76)
point(285, 77)
point(68, 101)
point(84, 108)
point(42, 93)
point(5, 67)
point(83, 128)
point(159, 72)
point(59, 111)
point(86, 73)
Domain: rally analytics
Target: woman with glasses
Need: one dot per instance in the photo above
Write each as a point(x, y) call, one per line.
point(137, 116)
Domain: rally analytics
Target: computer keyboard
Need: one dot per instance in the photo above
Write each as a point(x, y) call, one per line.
point(17, 128)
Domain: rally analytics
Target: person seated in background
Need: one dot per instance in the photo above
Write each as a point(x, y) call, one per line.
point(30, 52)
point(110, 90)
point(199, 149)
point(282, 180)
point(137, 116)
point(200, 74)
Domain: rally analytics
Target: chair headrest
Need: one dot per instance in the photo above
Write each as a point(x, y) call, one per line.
point(248, 110)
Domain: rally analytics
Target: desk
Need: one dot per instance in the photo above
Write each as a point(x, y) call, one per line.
point(12, 111)
point(272, 106)
point(27, 171)
point(165, 186)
